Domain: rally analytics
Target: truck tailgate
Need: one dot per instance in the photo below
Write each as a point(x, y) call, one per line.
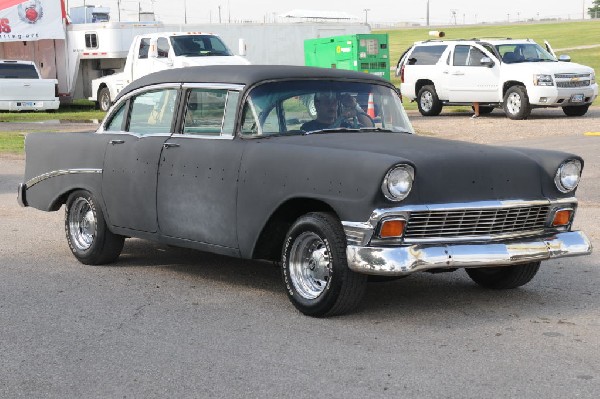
point(27, 89)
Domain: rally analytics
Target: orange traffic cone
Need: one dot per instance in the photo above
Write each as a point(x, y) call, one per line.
point(371, 106)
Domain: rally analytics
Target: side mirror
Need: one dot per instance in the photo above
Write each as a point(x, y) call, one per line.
point(242, 47)
point(487, 61)
point(564, 58)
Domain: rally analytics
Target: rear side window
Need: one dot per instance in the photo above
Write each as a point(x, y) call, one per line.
point(17, 71)
point(426, 55)
point(144, 47)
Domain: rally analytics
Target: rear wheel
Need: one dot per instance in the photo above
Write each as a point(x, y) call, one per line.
point(576, 110)
point(104, 100)
point(428, 101)
point(504, 277)
point(516, 103)
point(315, 269)
point(89, 238)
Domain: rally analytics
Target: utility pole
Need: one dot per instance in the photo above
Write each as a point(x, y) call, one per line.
point(119, 9)
point(219, 14)
point(185, 11)
point(427, 15)
point(366, 10)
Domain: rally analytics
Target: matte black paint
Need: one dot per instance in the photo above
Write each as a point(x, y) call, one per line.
point(219, 194)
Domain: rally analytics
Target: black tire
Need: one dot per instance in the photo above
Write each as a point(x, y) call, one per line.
point(315, 269)
point(104, 100)
point(516, 103)
point(576, 110)
point(506, 277)
point(88, 236)
point(428, 101)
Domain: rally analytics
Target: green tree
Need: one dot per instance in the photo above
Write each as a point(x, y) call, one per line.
point(594, 10)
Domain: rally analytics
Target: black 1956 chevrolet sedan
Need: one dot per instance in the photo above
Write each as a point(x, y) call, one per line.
point(316, 168)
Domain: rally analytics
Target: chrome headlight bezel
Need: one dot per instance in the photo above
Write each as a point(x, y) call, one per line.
point(542, 79)
point(566, 178)
point(398, 182)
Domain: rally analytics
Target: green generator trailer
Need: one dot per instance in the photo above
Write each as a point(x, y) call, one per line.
point(368, 52)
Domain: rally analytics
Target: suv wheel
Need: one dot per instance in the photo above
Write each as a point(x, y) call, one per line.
point(516, 103)
point(576, 110)
point(428, 101)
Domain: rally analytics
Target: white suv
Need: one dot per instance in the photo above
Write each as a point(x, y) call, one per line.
point(517, 75)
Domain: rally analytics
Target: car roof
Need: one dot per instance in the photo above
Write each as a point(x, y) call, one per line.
point(490, 40)
point(247, 75)
point(179, 33)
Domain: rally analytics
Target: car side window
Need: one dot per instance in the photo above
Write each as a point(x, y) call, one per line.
point(468, 56)
point(152, 112)
point(116, 122)
point(461, 53)
point(426, 55)
point(144, 47)
point(210, 112)
point(162, 47)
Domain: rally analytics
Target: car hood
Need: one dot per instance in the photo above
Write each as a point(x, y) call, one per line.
point(445, 170)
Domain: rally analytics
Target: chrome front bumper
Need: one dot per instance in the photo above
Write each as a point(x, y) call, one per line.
point(403, 260)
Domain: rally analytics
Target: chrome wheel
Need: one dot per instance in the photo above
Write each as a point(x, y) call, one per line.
point(513, 103)
point(426, 101)
point(82, 224)
point(310, 265)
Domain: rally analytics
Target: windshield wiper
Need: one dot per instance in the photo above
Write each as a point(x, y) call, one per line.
point(380, 129)
point(332, 130)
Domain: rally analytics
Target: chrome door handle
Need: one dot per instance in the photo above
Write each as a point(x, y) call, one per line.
point(169, 145)
point(26, 84)
point(113, 142)
point(458, 73)
point(446, 72)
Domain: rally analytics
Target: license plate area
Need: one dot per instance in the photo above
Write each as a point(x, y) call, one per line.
point(577, 98)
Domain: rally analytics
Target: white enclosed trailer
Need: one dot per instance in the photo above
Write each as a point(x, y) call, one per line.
point(94, 50)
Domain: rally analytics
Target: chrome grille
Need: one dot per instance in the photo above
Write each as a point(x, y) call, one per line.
point(579, 83)
point(571, 75)
point(476, 222)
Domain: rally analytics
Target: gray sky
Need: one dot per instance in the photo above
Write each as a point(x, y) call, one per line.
point(441, 11)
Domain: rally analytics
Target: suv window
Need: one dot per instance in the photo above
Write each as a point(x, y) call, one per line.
point(468, 56)
point(426, 55)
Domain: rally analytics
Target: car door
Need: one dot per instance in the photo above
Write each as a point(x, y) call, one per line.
point(198, 171)
point(132, 157)
point(468, 80)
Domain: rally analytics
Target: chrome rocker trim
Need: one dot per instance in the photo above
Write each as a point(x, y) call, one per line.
point(404, 260)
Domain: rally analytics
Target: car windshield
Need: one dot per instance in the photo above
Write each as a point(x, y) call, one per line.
point(199, 46)
point(523, 52)
point(322, 106)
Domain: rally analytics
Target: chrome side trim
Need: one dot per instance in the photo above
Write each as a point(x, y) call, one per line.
point(215, 86)
point(32, 182)
point(404, 260)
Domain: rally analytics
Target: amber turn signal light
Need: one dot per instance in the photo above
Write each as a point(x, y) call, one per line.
point(562, 217)
point(392, 228)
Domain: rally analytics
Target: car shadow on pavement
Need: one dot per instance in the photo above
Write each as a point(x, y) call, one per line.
point(422, 297)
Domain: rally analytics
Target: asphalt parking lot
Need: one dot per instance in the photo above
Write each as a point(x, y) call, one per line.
point(168, 322)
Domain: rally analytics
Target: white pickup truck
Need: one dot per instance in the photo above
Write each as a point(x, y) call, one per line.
point(22, 89)
point(164, 50)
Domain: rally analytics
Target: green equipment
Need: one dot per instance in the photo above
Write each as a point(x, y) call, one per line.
point(368, 52)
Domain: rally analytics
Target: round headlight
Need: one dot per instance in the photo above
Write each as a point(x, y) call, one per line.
point(398, 182)
point(567, 176)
